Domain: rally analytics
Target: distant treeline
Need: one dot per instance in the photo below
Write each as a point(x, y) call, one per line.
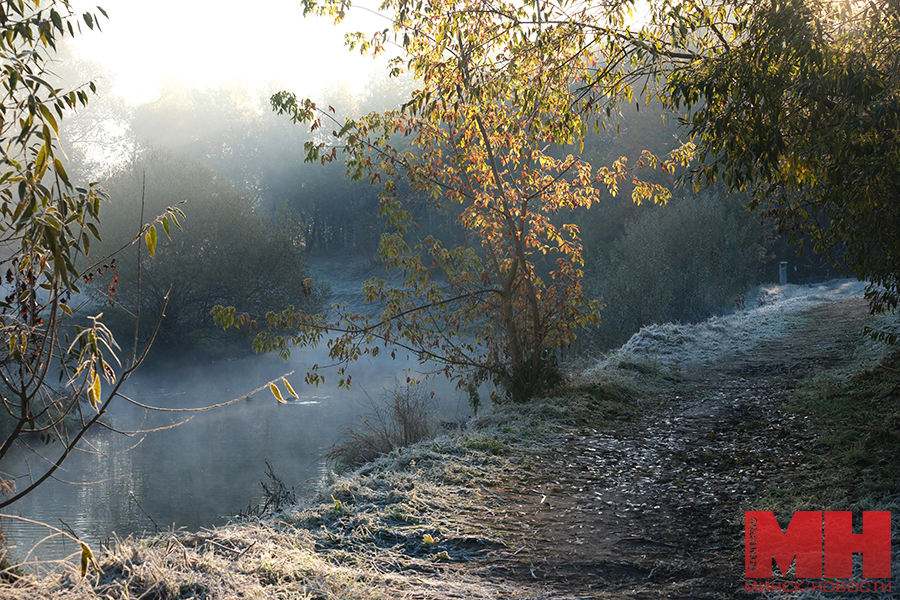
point(250, 196)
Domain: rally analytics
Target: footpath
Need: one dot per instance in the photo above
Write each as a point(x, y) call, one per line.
point(653, 507)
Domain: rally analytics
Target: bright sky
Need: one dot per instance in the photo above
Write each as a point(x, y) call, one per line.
point(210, 42)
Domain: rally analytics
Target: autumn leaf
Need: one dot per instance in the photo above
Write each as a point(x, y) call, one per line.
point(289, 388)
point(87, 557)
point(276, 392)
point(150, 239)
point(94, 389)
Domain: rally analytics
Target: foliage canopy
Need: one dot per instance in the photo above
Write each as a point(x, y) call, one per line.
point(802, 109)
point(796, 100)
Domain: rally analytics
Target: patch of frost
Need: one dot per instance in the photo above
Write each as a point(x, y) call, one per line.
point(771, 311)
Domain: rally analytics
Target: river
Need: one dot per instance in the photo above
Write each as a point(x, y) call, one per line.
point(206, 470)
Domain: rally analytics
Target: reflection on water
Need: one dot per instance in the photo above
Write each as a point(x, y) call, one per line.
point(199, 473)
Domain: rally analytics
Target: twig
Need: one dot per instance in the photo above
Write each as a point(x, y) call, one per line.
point(202, 408)
point(158, 530)
point(137, 310)
point(500, 498)
point(68, 529)
point(244, 551)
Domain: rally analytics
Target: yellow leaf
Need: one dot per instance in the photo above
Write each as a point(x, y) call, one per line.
point(94, 390)
point(289, 388)
point(87, 556)
point(276, 392)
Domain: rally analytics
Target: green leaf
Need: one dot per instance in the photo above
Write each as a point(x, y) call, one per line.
point(40, 163)
point(165, 224)
point(61, 171)
point(57, 20)
point(48, 116)
point(93, 229)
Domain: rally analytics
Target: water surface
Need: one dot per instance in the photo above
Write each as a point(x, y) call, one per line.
point(208, 469)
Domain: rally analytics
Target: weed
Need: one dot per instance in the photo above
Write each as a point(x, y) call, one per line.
point(276, 496)
point(403, 420)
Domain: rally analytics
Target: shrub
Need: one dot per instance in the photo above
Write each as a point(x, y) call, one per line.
point(681, 262)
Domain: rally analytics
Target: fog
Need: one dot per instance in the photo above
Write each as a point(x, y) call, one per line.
point(190, 122)
point(201, 473)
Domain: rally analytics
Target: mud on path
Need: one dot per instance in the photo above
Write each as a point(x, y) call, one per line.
point(652, 508)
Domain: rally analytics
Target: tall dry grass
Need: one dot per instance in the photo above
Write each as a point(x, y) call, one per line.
point(402, 420)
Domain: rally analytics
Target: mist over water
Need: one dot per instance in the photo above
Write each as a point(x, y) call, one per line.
point(208, 469)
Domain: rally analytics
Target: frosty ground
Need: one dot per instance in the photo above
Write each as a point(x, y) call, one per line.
point(630, 482)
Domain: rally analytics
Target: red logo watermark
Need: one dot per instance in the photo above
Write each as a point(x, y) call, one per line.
point(820, 544)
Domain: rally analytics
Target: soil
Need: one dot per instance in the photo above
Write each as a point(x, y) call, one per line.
point(653, 508)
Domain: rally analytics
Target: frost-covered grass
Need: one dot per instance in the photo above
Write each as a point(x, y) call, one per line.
point(403, 526)
point(771, 311)
point(399, 528)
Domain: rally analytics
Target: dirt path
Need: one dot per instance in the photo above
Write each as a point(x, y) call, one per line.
point(653, 508)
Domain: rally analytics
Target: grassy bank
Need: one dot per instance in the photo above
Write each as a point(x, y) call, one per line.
point(405, 525)
point(851, 421)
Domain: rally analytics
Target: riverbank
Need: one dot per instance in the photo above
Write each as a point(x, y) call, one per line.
point(411, 524)
point(630, 482)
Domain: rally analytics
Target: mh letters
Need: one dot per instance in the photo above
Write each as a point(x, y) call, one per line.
point(821, 547)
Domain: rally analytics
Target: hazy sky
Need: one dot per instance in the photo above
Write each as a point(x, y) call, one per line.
point(209, 42)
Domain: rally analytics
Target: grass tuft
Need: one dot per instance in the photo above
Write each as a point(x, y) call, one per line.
point(403, 420)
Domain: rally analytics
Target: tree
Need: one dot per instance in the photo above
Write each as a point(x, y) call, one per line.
point(499, 308)
point(226, 254)
point(802, 109)
point(47, 225)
